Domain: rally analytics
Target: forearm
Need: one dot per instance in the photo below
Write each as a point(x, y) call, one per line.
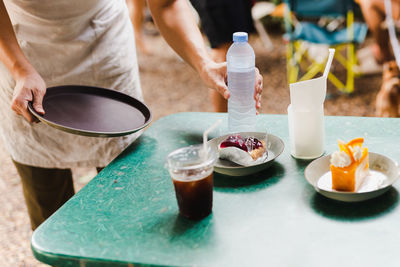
point(10, 52)
point(175, 21)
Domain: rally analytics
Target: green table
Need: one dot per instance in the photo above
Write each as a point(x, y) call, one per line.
point(127, 215)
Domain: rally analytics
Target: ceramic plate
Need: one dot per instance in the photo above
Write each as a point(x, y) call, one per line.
point(378, 164)
point(275, 147)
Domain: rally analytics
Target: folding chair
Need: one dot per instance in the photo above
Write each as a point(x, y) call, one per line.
point(259, 11)
point(303, 31)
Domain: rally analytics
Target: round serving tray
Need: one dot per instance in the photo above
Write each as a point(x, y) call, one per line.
point(92, 111)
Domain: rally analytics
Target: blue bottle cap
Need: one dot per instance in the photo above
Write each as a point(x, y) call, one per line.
point(240, 37)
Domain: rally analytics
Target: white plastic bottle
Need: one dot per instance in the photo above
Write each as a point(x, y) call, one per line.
point(241, 79)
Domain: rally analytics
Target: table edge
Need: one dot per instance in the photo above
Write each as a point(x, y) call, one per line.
point(73, 260)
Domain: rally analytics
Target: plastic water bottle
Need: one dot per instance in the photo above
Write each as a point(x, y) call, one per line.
point(241, 79)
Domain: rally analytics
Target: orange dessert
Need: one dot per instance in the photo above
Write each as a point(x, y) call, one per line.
point(349, 166)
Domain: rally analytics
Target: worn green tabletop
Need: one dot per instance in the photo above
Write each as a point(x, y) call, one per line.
point(128, 213)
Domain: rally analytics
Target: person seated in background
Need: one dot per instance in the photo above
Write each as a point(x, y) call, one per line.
point(388, 98)
point(219, 20)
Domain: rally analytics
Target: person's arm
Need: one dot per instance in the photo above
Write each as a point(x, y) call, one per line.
point(174, 19)
point(29, 85)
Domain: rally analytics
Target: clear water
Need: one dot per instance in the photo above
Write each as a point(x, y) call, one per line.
point(241, 104)
point(241, 80)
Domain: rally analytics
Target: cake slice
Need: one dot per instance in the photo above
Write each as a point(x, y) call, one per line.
point(349, 166)
point(243, 151)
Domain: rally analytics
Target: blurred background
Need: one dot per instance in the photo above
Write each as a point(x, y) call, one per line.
point(170, 86)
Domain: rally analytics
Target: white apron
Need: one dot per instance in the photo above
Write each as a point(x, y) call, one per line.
point(88, 42)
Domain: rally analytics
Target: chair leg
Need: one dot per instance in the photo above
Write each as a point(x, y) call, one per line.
point(350, 68)
point(263, 35)
point(292, 67)
point(313, 70)
point(336, 82)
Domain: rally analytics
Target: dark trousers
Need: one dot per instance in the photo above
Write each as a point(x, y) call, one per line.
point(45, 190)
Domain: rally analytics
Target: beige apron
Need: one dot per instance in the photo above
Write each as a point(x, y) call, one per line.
point(86, 42)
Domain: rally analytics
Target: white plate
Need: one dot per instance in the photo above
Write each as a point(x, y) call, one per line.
point(380, 165)
point(275, 147)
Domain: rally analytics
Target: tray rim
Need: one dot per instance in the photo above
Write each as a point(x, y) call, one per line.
point(93, 133)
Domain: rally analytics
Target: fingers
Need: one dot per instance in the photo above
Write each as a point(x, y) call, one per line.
point(20, 106)
point(258, 88)
point(30, 88)
point(38, 100)
point(223, 66)
point(222, 88)
point(214, 76)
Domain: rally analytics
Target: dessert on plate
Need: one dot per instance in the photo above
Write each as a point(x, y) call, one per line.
point(243, 151)
point(349, 165)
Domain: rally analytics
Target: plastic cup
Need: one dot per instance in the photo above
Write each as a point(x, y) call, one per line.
point(192, 175)
point(306, 94)
point(306, 132)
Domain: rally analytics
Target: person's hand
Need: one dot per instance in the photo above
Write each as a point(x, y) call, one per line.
point(215, 77)
point(29, 87)
point(258, 88)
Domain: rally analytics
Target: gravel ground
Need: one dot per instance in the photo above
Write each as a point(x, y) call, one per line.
point(170, 86)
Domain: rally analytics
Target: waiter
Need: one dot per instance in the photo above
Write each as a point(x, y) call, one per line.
point(47, 43)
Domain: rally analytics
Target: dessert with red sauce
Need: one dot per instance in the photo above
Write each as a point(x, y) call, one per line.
point(244, 151)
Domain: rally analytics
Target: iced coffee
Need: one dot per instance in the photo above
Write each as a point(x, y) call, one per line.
point(191, 171)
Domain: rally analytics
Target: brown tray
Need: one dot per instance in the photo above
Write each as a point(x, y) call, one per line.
point(92, 111)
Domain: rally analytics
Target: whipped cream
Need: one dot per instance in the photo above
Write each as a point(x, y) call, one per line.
point(340, 159)
point(357, 152)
